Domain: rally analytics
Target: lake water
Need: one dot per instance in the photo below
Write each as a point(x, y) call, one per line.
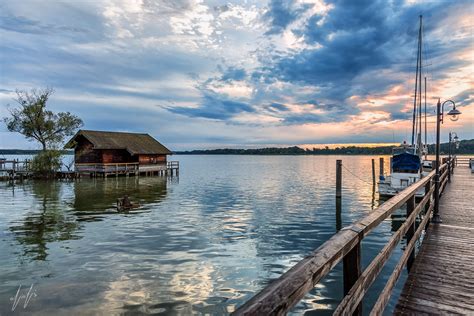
point(202, 243)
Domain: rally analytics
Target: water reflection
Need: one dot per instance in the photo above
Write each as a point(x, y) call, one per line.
point(46, 223)
point(56, 214)
point(94, 198)
point(205, 245)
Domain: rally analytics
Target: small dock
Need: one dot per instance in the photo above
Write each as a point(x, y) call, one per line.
point(441, 280)
point(14, 169)
point(20, 170)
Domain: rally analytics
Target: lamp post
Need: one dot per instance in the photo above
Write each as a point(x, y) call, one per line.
point(453, 139)
point(454, 116)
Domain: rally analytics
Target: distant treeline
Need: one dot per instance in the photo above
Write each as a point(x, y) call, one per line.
point(29, 152)
point(465, 147)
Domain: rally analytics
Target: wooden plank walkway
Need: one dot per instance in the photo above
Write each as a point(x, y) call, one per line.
point(441, 280)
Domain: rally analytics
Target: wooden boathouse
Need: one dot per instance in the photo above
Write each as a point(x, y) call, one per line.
point(100, 153)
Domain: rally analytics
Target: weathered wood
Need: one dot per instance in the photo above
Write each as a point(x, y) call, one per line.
point(373, 172)
point(441, 280)
point(338, 178)
point(355, 295)
point(410, 230)
point(384, 296)
point(338, 214)
point(351, 273)
point(387, 208)
point(278, 297)
point(381, 166)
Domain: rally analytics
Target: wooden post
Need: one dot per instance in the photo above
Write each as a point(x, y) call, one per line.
point(381, 166)
point(411, 230)
point(352, 272)
point(428, 204)
point(373, 172)
point(338, 178)
point(338, 214)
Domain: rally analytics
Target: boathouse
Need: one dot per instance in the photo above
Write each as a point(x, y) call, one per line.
point(99, 152)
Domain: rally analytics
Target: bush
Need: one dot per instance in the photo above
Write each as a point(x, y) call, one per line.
point(46, 163)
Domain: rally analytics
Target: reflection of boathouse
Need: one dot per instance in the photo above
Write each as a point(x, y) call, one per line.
point(105, 153)
point(93, 199)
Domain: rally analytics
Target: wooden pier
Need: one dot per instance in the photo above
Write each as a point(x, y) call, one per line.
point(446, 259)
point(441, 280)
point(16, 169)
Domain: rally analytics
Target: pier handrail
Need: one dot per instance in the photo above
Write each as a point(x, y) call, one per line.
point(107, 167)
point(173, 164)
point(16, 165)
point(285, 292)
point(105, 164)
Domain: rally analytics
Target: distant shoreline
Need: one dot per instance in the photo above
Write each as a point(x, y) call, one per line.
point(466, 147)
point(28, 152)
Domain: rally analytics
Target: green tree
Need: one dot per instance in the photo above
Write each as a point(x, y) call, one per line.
point(35, 122)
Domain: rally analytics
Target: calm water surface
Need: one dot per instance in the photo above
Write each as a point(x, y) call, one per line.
point(202, 243)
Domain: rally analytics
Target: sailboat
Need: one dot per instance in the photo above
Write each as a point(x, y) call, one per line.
point(409, 162)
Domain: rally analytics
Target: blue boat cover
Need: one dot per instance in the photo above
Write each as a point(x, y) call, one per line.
point(406, 162)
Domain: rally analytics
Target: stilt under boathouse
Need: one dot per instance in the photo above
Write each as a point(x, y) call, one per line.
point(101, 154)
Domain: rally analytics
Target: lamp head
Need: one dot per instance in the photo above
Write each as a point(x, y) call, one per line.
point(454, 114)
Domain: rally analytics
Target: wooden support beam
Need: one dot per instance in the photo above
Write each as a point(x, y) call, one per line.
point(353, 298)
point(384, 296)
point(351, 272)
point(373, 172)
point(291, 287)
point(381, 162)
point(338, 178)
point(411, 230)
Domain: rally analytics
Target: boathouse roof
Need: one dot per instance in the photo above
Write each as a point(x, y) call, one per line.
point(134, 143)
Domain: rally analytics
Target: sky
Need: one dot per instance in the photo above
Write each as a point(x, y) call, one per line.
point(211, 74)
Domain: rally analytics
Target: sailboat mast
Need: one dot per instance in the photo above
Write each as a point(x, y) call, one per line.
point(416, 86)
point(426, 123)
point(419, 85)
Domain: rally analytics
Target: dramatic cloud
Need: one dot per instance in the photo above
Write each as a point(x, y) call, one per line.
point(208, 74)
point(213, 107)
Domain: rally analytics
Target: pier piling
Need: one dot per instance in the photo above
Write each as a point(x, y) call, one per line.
point(373, 172)
point(381, 161)
point(338, 178)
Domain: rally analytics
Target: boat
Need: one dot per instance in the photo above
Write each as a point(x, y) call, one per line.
point(409, 162)
point(405, 169)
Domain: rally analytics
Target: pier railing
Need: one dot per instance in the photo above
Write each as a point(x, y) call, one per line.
point(173, 165)
point(463, 160)
point(15, 165)
point(107, 167)
point(285, 292)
